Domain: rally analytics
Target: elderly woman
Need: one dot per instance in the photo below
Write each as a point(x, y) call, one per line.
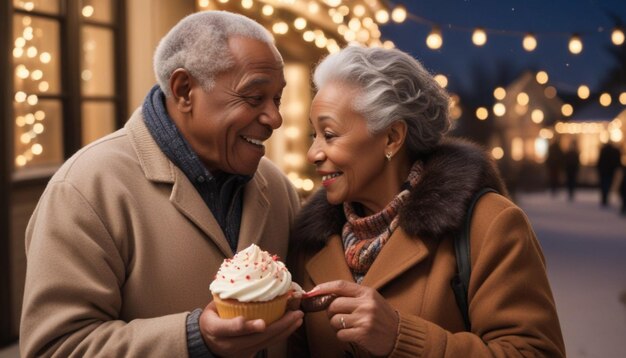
point(380, 233)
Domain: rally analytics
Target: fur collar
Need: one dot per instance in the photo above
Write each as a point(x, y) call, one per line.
point(453, 172)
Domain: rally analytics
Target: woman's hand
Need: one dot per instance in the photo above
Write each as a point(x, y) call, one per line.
point(362, 316)
point(236, 337)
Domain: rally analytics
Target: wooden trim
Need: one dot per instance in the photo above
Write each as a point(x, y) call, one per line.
point(70, 79)
point(6, 167)
point(121, 63)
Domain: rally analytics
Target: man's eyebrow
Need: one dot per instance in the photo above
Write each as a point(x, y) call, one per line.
point(255, 82)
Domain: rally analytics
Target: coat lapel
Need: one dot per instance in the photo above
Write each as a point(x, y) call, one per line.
point(187, 200)
point(256, 208)
point(329, 264)
point(184, 196)
point(399, 254)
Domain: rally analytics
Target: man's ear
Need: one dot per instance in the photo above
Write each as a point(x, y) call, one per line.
point(180, 86)
point(396, 134)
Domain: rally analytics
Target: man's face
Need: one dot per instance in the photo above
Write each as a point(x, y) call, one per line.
point(228, 124)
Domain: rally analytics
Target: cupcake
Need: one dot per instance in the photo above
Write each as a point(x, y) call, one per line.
point(253, 284)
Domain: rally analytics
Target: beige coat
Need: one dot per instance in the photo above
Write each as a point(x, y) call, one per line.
point(511, 307)
point(121, 247)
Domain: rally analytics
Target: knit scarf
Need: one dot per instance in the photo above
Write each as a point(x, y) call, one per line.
point(364, 237)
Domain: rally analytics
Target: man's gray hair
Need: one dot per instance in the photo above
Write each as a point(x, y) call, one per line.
point(393, 86)
point(199, 44)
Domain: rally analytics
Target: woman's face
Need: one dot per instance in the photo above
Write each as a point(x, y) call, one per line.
point(350, 160)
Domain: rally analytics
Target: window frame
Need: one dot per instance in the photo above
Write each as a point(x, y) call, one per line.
point(71, 99)
point(70, 22)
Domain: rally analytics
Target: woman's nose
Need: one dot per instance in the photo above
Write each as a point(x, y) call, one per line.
point(315, 155)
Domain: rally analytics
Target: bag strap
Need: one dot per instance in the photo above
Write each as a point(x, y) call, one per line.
point(460, 282)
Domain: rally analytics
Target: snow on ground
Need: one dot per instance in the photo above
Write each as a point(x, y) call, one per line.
point(585, 249)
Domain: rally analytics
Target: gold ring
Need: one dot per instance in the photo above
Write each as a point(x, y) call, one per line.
point(343, 322)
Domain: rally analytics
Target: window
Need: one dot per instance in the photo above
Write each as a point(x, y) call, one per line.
point(68, 64)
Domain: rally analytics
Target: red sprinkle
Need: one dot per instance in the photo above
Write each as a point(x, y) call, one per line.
point(247, 277)
point(232, 281)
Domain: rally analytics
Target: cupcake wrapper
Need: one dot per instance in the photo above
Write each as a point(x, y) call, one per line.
point(269, 311)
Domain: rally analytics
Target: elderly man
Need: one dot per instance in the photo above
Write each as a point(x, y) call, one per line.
point(130, 231)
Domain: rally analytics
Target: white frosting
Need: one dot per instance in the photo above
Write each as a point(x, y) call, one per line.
point(252, 275)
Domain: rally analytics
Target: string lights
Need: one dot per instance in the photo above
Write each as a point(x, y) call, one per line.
point(29, 62)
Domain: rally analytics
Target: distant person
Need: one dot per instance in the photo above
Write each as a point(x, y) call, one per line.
point(608, 162)
point(554, 164)
point(572, 164)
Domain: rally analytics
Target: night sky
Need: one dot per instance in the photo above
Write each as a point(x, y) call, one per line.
point(552, 21)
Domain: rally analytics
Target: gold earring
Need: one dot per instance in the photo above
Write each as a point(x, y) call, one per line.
point(388, 156)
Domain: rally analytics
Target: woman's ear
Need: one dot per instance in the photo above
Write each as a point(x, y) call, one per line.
point(180, 86)
point(396, 134)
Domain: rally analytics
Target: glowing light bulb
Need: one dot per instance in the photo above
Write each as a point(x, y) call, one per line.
point(354, 24)
point(20, 160)
point(20, 121)
point(313, 7)
point(434, 40)
point(40, 115)
point(299, 23)
point(38, 128)
point(45, 57)
point(308, 36)
point(537, 116)
point(482, 113)
point(18, 52)
point(499, 109)
point(522, 98)
point(605, 99)
point(529, 42)
point(575, 45)
point(358, 10)
point(247, 4)
point(267, 10)
point(583, 92)
point(32, 99)
point(280, 28)
point(36, 75)
point(567, 110)
point(43, 86)
point(479, 37)
point(499, 93)
point(31, 52)
point(22, 72)
point(203, 3)
point(497, 152)
point(382, 16)
point(442, 80)
point(20, 96)
point(36, 149)
point(617, 36)
point(20, 42)
point(542, 77)
point(398, 14)
point(87, 11)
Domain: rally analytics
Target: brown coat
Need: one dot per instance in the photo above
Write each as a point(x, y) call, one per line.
point(121, 247)
point(511, 307)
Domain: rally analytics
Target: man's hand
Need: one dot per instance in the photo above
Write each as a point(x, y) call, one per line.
point(236, 337)
point(361, 315)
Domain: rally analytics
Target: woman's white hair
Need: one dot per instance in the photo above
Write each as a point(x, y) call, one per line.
point(393, 86)
point(199, 44)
